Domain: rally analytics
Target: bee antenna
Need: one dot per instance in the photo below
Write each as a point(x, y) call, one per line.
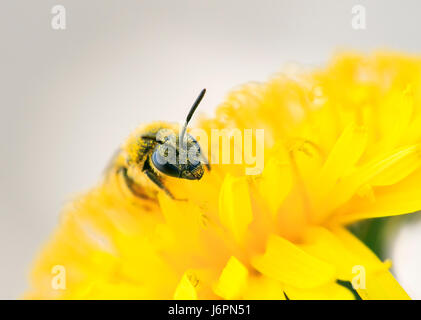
point(191, 112)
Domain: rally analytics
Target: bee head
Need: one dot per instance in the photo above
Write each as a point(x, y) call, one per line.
point(180, 156)
point(181, 160)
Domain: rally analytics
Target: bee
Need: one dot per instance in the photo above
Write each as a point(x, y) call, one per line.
point(154, 152)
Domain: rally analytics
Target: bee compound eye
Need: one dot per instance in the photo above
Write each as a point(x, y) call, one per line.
point(194, 154)
point(164, 165)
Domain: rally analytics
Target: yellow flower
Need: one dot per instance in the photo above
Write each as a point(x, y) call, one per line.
point(341, 144)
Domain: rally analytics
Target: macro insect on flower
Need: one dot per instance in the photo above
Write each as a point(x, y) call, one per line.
point(342, 144)
point(156, 151)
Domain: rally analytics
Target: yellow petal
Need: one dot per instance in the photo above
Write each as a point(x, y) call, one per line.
point(331, 291)
point(346, 152)
point(263, 288)
point(184, 220)
point(385, 170)
point(291, 265)
point(276, 183)
point(394, 118)
point(353, 260)
point(343, 157)
point(185, 289)
point(401, 198)
point(233, 280)
point(380, 284)
point(393, 168)
point(322, 244)
point(235, 210)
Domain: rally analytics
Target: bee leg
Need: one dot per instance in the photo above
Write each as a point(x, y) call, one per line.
point(131, 184)
point(155, 179)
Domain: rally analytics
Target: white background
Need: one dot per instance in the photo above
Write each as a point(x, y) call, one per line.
point(68, 98)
